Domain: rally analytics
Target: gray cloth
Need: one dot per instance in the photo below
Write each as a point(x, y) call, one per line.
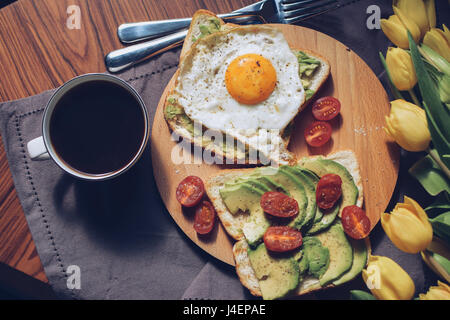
point(119, 233)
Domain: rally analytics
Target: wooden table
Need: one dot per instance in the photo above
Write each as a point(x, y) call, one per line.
point(39, 52)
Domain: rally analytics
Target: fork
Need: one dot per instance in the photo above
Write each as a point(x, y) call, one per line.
point(271, 11)
point(287, 12)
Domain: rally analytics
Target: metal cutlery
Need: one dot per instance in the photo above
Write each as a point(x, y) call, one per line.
point(272, 11)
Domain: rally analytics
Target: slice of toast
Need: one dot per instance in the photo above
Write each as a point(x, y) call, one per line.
point(238, 153)
point(233, 222)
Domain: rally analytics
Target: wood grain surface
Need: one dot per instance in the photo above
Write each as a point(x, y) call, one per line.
point(358, 128)
point(38, 52)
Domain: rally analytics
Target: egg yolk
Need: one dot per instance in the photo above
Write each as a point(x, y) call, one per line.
point(250, 78)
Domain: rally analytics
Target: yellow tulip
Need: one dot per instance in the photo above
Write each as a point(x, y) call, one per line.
point(401, 69)
point(436, 39)
point(407, 125)
point(409, 24)
point(394, 29)
point(387, 280)
point(446, 33)
point(415, 11)
point(408, 227)
point(440, 292)
point(431, 13)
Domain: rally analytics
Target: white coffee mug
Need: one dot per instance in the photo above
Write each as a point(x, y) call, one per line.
point(41, 147)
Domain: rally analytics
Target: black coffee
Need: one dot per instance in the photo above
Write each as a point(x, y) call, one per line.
point(97, 127)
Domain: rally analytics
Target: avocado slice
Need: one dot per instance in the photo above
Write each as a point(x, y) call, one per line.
point(243, 196)
point(341, 252)
point(327, 219)
point(349, 189)
point(310, 191)
point(360, 254)
point(277, 275)
point(266, 181)
point(246, 197)
point(317, 255)
point(293, 185)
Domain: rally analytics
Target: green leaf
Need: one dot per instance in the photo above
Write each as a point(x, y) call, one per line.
point(438, 116)
point(430, 176)
point(440, 205)
point(441, 226)
point(394, 90)
point(435, 59)
point(361, 295)
point(444, 263)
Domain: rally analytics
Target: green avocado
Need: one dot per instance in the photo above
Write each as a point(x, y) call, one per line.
point(307, 66)
point(310, 190)
point(246, 197)
point(277, 275)
point(266, 181)
point(317, 255)
point(360, 254)
point(326, 220)
point(211, 27)
point(242, 196)
point(349, 189)
point(293, 186)
point(341, 252)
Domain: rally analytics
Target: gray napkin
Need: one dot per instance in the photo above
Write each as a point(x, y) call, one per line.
point(117, 232)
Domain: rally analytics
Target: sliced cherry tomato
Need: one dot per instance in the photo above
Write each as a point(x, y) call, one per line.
point(279, 205)
point(328, 191)
point(326, 108)
point(190, 191)
point(205, 217)
point(355, 222)
point(318, 133)
point(282, 238)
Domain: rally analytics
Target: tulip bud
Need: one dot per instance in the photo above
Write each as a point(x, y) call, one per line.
point(407, 125)
point(401, 69)
point(431, 13)
point(409, 24)
point(394, 29)
point(408, 227)
point(436, 40)
point(415, 11)
point(446, 32)
point(387, 280)
point(439, 292)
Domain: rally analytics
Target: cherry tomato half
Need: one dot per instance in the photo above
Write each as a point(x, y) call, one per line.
point(355, 222)
point(326, 108)
point(318, 133)
point(328, 191)
point(282, 238)
point(279, 205)
point(190, 191)
point(205, 217)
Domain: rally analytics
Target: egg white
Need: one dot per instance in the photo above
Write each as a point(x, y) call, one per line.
point(202, 90)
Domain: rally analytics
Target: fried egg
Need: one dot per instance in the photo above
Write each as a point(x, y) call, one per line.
point(239, 80)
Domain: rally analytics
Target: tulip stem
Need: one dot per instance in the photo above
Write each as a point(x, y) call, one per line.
point(438, 160)
point(414, 98)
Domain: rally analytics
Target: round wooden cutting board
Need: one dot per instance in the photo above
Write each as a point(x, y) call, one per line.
point(359, 128)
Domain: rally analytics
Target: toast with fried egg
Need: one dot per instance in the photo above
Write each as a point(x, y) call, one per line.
point(204, 24)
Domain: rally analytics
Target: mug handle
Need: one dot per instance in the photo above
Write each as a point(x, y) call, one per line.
point(37, 150)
